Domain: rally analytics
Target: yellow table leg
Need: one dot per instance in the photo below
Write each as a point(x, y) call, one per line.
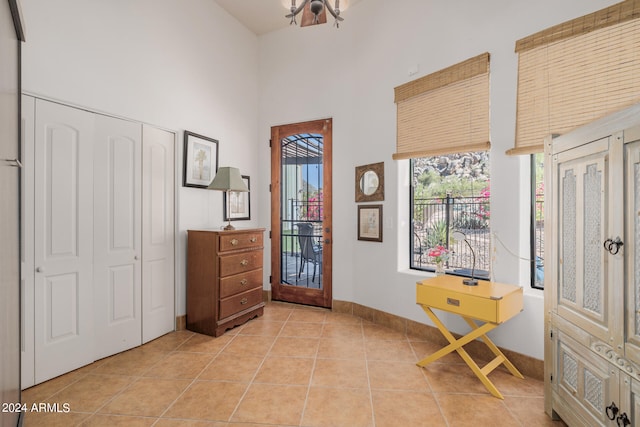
point(496, 351)
point(454, 344)
point(457, 345)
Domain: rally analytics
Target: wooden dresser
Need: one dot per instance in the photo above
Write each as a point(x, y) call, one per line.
point(224, 279)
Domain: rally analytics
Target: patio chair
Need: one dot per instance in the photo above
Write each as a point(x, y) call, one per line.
point(310, 251)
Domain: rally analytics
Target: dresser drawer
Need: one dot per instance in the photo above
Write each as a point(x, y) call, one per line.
point(468, 305)
point(230, 242)
point(489, 301)
point(237, 283)
point(237, 303)
point(240, 263)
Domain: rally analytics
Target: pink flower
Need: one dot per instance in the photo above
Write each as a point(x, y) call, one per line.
point(439, 254)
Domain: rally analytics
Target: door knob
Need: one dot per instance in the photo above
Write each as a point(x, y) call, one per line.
point(40, 270)
point(136, 257)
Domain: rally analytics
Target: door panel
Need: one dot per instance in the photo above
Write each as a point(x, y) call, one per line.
point(584, 297)
point(301, 220)
point(158, 235)
point(27, 284)
point(63, 252)
point(632, 250)
point(585, 380)
point(117, 245)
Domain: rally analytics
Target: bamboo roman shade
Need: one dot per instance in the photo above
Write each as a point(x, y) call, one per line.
point(577, 72)
point(444, 112)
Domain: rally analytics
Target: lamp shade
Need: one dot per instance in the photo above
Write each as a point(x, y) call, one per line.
point(228, 179)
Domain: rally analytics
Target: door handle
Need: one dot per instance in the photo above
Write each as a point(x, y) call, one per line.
point(611, 411)
point(613, 246)
point(623, 420)
point(13, 163)
point(39, 269)
point(327, 241)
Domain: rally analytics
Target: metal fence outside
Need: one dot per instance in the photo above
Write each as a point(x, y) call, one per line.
point(433, 222)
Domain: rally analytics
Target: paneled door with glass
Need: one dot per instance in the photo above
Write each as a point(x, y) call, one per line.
point(301, 213)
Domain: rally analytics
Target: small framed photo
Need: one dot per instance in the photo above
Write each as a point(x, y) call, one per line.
point(239, 206)
point(200, 160)
point(370, 223)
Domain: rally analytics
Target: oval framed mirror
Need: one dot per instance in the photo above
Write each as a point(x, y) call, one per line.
point(369, 182)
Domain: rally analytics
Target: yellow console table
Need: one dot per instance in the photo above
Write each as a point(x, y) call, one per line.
point(489, 302)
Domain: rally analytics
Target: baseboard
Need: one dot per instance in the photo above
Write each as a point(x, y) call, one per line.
point(181, 322)
point(527, 365)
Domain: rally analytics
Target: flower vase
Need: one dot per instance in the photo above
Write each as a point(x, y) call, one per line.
point(439, 268)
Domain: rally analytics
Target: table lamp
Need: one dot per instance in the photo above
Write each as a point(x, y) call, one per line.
point(460, 236)
point(228, 179)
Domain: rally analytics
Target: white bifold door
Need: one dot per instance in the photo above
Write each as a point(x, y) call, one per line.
point(103, 245)
point(117, 247)
point(63, 247)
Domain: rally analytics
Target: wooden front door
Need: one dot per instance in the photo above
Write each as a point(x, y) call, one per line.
point(301, 226)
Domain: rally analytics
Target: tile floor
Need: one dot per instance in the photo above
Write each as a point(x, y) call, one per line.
point(294, 366)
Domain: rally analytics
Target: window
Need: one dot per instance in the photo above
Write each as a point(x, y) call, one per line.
point(451, 192)
point(537, 220)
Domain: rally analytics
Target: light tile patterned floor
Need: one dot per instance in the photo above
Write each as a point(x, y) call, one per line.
point(294, 366)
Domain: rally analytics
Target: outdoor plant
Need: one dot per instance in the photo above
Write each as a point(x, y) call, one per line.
point(436, 234)
point(311, 209)
point(314, 211)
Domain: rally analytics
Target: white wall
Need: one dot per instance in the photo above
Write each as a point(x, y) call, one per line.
point(349, 74)
point(161, 62)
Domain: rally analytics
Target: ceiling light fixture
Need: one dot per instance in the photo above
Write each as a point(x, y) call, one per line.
point(313, 12)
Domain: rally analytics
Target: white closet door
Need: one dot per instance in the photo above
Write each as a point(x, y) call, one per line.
point(27, 365)
point(117, 235)
point(158, 233)
point(63, 252)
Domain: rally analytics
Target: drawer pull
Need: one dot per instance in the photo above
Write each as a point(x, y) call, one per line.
point(253, 239)
point(243, 282)
point(234, 242)
point(243, 301)
point(454, 302)
point(244, 263)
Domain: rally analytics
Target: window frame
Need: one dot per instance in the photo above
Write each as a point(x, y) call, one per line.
point(532, 223)
point(412, 233)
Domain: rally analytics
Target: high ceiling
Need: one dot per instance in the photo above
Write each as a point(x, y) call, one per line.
point(263, 16)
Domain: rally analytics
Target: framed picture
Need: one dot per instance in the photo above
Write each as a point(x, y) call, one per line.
point(200, 160)
point(370, 182)
point(370, 223)
point(239, 206)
